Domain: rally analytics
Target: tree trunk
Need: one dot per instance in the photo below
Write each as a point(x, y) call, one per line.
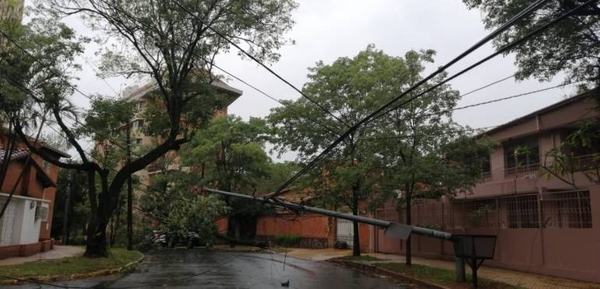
point(408, 222)
point(97, 245)
point(356, 237)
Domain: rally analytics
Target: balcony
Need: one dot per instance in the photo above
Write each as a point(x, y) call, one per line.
point(532, 171)
point(506, 174)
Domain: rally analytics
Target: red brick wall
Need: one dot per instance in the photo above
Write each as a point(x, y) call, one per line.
point(24, 250)
point(10, 251)
point(30, 249)
point(308, 225)
point(222, 225)
point(14, 170)
point(46, 245)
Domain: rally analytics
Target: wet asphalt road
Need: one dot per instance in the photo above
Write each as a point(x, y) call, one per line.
point(201, 269)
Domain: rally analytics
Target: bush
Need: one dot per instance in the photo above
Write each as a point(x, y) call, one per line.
point(287, 240)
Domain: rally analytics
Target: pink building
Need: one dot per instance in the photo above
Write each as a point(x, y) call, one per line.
point(545, 225)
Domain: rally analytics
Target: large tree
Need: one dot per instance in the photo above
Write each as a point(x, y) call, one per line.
point(170, 43)
point(572, 46)
point(229, 154)
point(350, 89)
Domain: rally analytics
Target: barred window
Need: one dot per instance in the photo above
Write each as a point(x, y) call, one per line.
point(520, 212)
point(567, 210)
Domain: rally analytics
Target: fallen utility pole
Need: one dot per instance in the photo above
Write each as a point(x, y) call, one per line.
point(392, 230)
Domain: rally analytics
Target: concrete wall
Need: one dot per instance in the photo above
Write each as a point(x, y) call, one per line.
point(26, 228)
point(563, 252)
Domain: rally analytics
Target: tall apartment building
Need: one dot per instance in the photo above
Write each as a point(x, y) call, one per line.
point(140, 95)
point(544, 224)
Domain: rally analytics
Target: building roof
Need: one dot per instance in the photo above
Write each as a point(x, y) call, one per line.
point(139, 91)
point(544, 110)
point(16, 154)
point(55, 150)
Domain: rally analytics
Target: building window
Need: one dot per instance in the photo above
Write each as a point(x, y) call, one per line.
point(523, 154)
point(520, 212)
point(138, 124)
point(140, 105)
point(486, 167)
point(567, 210)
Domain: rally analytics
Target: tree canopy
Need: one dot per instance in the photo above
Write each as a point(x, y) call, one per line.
point(171, 43)
point(570, 47)
point(396, 151)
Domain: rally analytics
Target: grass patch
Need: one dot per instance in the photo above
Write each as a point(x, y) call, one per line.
point(441, 276)
point(65, 267)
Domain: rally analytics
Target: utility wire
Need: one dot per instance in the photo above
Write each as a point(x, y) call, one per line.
point(498, 52)
point(259, 62)
point(512, 96)
point(480, 43)
point(488, 85)
point(274, 99)
point(98, 74)
point(476, 105)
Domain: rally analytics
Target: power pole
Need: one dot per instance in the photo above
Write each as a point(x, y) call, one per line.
point(129, 194)
point(65, 235)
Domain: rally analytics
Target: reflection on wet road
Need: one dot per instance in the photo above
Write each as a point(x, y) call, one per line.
point(201, 269)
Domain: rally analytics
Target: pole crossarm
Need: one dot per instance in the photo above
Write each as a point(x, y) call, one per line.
point(392, 230)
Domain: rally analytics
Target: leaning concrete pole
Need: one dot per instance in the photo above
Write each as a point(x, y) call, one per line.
point(392, 230)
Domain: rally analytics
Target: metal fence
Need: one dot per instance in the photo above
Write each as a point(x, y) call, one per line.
point(563, 209)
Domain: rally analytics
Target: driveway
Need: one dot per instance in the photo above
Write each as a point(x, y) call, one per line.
point(201, 269)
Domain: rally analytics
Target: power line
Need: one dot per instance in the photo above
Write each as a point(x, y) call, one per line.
point(498, 52)
point(512, 96)
point(488, 85)
point(259, 62)
point(273, 98)
point(484, 103)
point(98, 74)
point(480, 43)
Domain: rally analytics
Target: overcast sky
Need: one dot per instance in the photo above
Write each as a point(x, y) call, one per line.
point(328, 29)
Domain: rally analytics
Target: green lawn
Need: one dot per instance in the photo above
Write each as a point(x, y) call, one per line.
point(440, 276)
point(60, 269)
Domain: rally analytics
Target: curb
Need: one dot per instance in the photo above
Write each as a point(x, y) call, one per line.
point(94, 274)
point(381, 271)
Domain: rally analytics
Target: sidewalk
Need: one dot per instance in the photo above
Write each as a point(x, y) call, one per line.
point(515, 278)
point(57, 252)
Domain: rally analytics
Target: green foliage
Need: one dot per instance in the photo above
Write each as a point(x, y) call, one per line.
point(177, 205)
point(578, 152)
point(287, 240)
point(279, 173)
point(107, 118)
point(570, 46)
point(79, 210)
point(416, 149)
point(229, 154)
point(147, 39)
